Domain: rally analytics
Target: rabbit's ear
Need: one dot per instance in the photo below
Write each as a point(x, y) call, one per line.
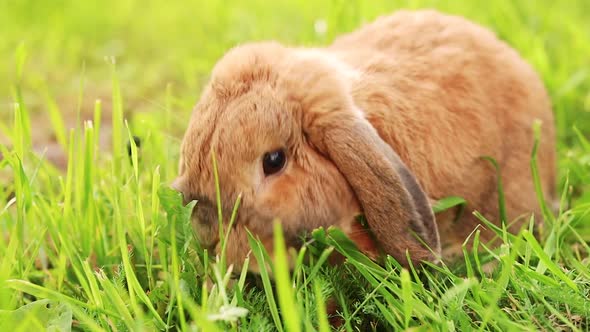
point(396, 208)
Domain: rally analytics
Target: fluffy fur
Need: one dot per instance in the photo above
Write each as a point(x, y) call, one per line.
point(384, 120)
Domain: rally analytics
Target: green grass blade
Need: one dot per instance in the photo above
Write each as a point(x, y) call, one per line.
point(289, 308)
point(556, 270)
point(259, 252)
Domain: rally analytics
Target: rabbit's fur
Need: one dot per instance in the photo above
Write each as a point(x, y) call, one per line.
point(384, 121)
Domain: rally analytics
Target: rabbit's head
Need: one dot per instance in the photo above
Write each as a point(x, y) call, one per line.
point(287, 136)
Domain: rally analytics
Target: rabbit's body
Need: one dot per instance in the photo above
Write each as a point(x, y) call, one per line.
point(385, 120)
point(445, 97)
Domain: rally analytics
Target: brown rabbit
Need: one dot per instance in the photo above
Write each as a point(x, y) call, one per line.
point(382, 122)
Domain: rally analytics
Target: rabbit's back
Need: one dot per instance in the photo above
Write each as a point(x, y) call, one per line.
point(443, 92)
point(418, 32)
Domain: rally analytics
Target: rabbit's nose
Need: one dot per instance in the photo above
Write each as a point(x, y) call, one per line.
point(185, 199)
point(204, 220)
point(201, 212)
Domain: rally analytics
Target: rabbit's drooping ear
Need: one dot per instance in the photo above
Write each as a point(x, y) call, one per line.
point(396, 208)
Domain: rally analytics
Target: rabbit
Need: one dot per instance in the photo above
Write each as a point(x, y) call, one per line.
point(383, 122)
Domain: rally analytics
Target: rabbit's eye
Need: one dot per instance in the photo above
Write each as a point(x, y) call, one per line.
point(274, 161)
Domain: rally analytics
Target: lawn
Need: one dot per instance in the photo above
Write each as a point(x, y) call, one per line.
point(102, 243)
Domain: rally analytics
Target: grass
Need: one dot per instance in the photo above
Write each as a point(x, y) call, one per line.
point(107, 246)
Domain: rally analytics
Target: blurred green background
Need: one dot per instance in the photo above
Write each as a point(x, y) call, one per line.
point(156, 43)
